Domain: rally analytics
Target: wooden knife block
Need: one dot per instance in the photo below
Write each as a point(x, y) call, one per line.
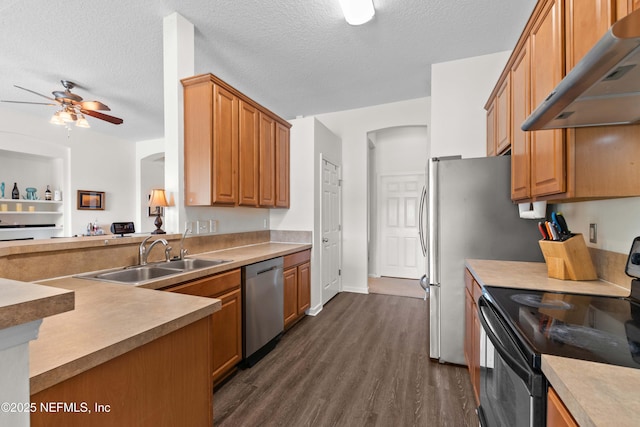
point(568, 260)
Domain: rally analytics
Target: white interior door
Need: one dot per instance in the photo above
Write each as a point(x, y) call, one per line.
point(399, 244)
point(330, 230)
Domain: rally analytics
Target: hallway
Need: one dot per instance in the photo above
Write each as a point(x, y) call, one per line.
point(363, 361)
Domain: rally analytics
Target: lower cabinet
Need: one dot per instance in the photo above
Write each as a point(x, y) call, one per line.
point(472, 332)
point(557, 414)
point(297, 286)
point(227, 323)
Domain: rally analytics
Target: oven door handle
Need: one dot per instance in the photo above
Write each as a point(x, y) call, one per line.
point(502, 342)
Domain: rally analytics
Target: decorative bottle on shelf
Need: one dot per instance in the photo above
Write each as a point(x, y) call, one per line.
point(47, 194)
point(15, 193)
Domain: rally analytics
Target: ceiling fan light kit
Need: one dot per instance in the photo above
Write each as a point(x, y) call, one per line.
point(357, 12)
point(72, 108)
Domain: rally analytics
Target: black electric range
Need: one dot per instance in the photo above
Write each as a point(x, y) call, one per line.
point(595, 328)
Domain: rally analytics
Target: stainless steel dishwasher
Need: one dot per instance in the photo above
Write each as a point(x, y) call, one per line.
point(263, 308)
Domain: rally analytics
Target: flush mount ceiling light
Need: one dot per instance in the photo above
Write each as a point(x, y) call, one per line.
point(357, 12)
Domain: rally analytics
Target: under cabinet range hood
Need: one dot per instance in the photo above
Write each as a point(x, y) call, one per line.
point(602, 89)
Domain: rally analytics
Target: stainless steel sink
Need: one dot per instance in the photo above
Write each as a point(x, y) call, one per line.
point(139, 274)
point(189, 264)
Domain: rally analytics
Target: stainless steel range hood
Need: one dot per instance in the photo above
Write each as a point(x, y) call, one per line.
point(602, 89)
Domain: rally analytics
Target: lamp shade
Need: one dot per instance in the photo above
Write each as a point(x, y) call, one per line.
point(158, 198)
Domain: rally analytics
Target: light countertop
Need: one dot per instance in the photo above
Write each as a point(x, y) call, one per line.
point(111, 319)
point(24, 302)
point(596, 394)
point(533, 275)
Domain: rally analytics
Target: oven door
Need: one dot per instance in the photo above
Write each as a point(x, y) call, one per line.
point(512, 393)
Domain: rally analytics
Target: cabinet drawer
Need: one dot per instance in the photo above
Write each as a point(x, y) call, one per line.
point(297, 258)
point(210, 286)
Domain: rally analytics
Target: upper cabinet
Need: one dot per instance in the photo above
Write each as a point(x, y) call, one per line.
point(230, 147)
point(282, 166)
point(564, 164)
point(547, 69)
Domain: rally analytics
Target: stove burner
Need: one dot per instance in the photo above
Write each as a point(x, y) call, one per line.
point(532, 300)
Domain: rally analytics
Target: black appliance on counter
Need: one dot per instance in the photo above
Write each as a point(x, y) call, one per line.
point(519, 325)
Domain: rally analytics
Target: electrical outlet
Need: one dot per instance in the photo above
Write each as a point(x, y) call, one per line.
point(202, 227)
point(593, 233)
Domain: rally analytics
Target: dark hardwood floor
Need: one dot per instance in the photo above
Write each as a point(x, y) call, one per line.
point(363, 361)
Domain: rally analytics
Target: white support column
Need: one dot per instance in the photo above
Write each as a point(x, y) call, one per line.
point(178, 47)
point(14, 373)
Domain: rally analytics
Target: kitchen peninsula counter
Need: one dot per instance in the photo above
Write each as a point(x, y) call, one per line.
point(111, 319)
point(596, 394)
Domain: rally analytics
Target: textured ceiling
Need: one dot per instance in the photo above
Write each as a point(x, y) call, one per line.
point(294, 57)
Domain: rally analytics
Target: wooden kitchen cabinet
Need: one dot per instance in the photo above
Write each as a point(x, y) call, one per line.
point(586, 21)
point(520, 140)
point(548, 163)
point(236, 151)
point(491, 128)
point(164, 382)
point(472, 332)
point(226, 323)
point(267, 162)
point(557, 414)
point(503, 117)
point(210, 143)
point(248, 139)
point(282, 166)
point(297, 286)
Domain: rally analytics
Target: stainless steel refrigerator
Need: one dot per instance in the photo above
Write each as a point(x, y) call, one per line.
point(469, 214)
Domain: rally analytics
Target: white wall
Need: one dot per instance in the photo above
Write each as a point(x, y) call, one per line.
point(352, 126)
point(459, 90)
point(617, 221)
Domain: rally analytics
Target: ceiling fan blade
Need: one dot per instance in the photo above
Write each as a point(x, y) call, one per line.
point(93, 105)
point(34, 92)
point(102, 116)
point(27, 102)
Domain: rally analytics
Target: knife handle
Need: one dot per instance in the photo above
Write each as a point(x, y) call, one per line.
point(542, 228)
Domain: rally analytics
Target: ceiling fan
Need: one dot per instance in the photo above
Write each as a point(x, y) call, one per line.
point(72, 107)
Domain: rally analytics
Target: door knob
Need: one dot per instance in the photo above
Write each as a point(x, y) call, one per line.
point(325, 240)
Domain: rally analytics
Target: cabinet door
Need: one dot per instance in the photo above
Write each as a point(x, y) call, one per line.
point(227, 334)
point(586, 22)
point(290, 295)
point(557, 414)
point(304, 288)
point(520, 109)
point(503, 117)
point(548, 164)
point(491, 129)
point(225, 147)
point(198, 146)
point(267, 192)
point(282, 166)
point(248, 139)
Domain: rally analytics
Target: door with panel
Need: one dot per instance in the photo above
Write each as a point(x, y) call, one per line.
point(398, 246)
point(548, 165)
point(520, 109)
point(331, 235)
point(586, 21)
point(267, 194)
point(248, 139)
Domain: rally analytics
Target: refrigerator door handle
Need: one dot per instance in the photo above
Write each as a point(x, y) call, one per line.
point(433, 239)
point(423, 243)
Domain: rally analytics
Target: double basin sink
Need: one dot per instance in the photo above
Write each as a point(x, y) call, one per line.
point(139, 274)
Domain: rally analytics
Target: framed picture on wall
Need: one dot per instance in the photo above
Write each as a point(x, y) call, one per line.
point(88, 199)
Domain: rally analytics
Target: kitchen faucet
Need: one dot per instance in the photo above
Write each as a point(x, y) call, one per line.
point(144, 251)
point(184, 251)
